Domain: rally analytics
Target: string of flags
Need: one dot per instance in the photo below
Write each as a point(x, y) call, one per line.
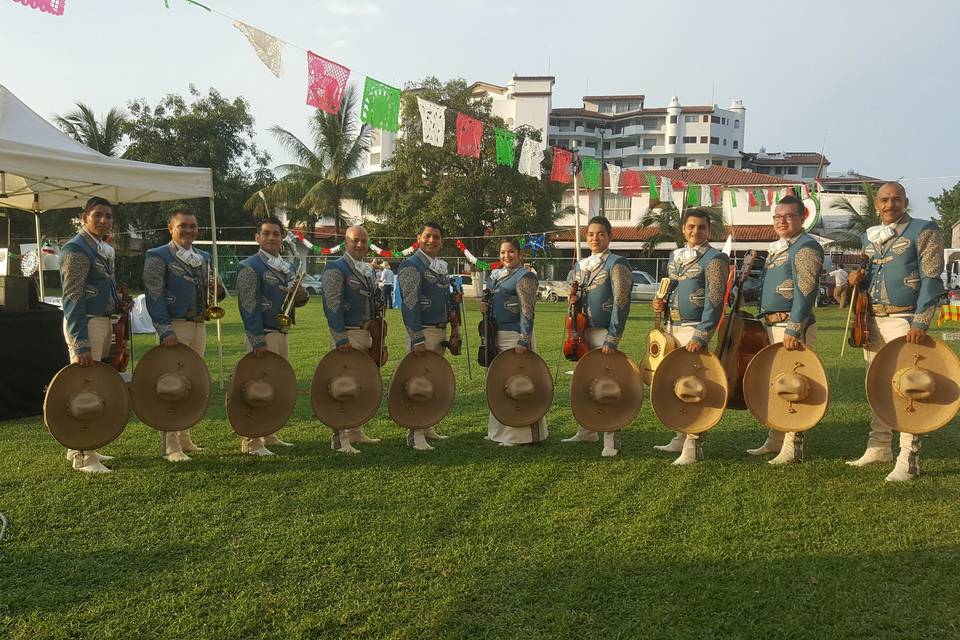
point(53, 7)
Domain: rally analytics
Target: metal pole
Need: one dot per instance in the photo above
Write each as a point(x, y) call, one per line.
point(36, 219)
point(576, 201)
point(216, 285)
point(603, 187)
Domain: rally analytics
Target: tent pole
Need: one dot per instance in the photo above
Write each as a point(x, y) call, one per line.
point(36, 220)
point(216, 284)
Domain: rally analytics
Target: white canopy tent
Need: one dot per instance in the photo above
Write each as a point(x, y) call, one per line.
point(42, 169)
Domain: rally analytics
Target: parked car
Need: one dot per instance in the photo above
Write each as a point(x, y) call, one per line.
point(312, 284)
point(468, 289)
point(644, 287)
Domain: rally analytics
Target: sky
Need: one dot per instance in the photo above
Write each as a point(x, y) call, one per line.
point(871, 83)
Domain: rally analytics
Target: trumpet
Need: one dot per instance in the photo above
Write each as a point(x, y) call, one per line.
point(284, 318)
point(213, 311)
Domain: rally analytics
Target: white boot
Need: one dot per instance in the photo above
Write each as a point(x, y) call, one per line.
point(908, 460)
point(357, 436)
point(791, 450)
point(417, 439)
point(582, 435)
point(611, 444)
point(71, 453)
point(674, 446)
point(431, 434)
point(772, 444)
point(87, 462)
point(171, 447)
point(254, 446)
point(692, 450)
point(274, 439)
point(186, 443)
point(340, 442)
point(872, 455)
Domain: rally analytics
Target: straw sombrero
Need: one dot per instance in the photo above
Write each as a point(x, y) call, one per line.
point(261, 395)
point(606, 392)
point(786, 390)
point(421, 390)
point(346, 389)
point(519, 388)
point(689, 391)
point(86, 407)
point(170, 390)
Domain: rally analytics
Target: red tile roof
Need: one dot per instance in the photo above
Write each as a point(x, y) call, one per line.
point(715, 174)
point(790, 157)
point(741, 232)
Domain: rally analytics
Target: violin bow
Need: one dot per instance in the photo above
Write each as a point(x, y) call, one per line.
point(463, 326)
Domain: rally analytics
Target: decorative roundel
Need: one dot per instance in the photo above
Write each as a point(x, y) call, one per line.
point(29, 263)
point(812, 216)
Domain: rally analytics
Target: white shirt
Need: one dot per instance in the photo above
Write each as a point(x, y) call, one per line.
point(387, 277)
point(839, 276)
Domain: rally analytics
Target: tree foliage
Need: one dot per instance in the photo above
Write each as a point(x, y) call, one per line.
point(322, 173)
point(104, 135)
point(948, 210)
point(861, 219)
point(468, 196)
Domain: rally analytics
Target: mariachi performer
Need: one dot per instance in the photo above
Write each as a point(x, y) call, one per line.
point(696, 304)
point(903, 281)
point(604, 284)
point(514, 289)
point(267, 292)
point(89, 299)
point(426, 306)
point(791, 282)
point(179, 292)
point(351, 302)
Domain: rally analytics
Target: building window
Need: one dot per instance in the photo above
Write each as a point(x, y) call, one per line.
point(616, 207)
point(649, 143)
point(764, 170)
point(648, 162)
point(561, 142)
point(707, 162)
point(736, 124)
point(673, 119)
point(690, 118)
point(723, 121)
point(714, 140)
point(778, 171)
point(715, 119)
point(689, 139)
point(606, 108)
point(809, 172)
point(724, 142)
point(375, 158)
point(703, 139)
point(607, 146)
point(732, 164)
point(706, 118)
point(736, 144)
point(625, 143)
point(672, 140)
point(790, 171)
point(663, 162)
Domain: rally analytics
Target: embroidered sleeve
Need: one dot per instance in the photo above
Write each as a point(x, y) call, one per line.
point(410, 283)
point(621, 283)
point(333, 304)
point(74, 270)
point(930, 255)
point(154, 276)
point(715, 280)
point(807, 263)
point(527, 293)
point(250, 313)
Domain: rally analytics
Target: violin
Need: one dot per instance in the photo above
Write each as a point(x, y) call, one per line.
point(575, 346)
point(455, 341)
point(378, 331)
point(859, 310)
point(120, 356)
point(487, 327)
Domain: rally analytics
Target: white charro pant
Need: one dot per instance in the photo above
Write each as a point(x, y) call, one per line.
point(882, 331)
point(194, 335)
point(100, 335)
point(499, 432)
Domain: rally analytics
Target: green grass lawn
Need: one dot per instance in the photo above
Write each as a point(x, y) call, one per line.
point(479, 541)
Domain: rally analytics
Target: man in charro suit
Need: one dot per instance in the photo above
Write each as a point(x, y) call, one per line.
point(350, 300)
point(696, 304)
point(791, 282)
point(176, 283)
point(89, 299)
point(904, 285)
point(604, 286)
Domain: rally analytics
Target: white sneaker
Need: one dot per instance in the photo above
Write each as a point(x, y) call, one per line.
point(899, 474)
point(506, 444)
point(692, 451)
point(72, 453)
point(908, 460)
point(583, 435)
point(94, 467)
point(791, 451)
point(346, 448)
point(273, 439)
point(433, 435)
point(417, 439)
point(177, 456)
point(773, 444)
point(262, 451)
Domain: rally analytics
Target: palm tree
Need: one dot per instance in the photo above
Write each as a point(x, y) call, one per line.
point(321, 177)
point(103, 135)
point(665, 218)
point(851, 237)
